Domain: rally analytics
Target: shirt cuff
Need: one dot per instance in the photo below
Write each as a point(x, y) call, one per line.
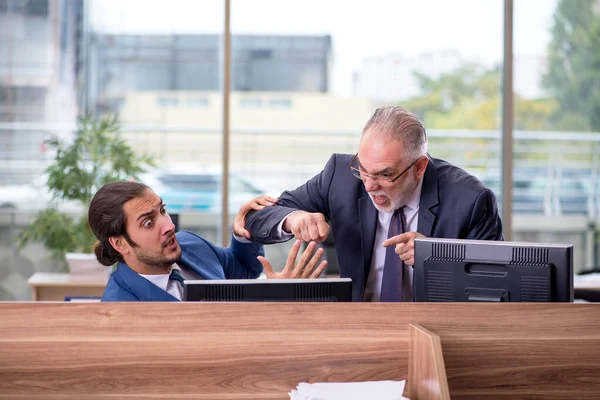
point(279, 232)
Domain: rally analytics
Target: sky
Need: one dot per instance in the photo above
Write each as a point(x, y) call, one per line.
point(359, 28)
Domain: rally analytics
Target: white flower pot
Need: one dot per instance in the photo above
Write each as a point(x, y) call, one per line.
point(85, 265)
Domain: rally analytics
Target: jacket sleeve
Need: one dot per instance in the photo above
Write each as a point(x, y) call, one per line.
point(114, 292)
point(485, 223)
point(311, 197)
point(238, 261)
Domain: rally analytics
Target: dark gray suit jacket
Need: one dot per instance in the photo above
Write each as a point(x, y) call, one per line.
point(454, 204)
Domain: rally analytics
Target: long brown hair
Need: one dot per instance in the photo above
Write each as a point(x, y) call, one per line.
point(107, 218)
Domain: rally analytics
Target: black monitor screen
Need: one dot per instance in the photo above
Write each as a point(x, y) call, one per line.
point(328, 289)
point(175, 220)
point(483, 270)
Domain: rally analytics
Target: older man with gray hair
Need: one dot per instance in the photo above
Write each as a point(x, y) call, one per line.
point(376, 203)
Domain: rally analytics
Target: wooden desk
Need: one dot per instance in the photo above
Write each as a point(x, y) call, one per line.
point(47, 286)
point(263, 350)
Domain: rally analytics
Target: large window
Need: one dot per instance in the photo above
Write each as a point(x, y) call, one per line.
point(161, 70)
point(335, 65)
point(38, 73)
point(557, 141)
point(304, 77)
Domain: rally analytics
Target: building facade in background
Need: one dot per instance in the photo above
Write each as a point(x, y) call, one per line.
point(39, 67)
point(391, 77)
point(282, 138)
point(124, 63)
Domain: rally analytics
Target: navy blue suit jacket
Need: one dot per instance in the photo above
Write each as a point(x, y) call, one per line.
point(197, 254)
point(454, 204)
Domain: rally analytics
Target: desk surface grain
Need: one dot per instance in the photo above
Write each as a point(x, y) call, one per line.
point(263, 350)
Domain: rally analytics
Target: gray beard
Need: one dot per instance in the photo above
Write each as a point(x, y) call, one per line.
point(408, 188)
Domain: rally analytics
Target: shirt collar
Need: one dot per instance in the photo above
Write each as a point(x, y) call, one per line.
point(161, 280)
point(175, 266)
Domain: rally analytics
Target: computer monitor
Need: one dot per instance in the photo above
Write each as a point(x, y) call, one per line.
point(323, 290)
point(482, 270)
point(175, 221)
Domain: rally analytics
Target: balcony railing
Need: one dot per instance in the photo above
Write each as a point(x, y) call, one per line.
point(555, 173)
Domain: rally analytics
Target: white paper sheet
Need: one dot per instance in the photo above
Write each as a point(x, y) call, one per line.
point(380, 390)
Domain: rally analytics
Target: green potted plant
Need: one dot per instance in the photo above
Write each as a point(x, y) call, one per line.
point(96, 155)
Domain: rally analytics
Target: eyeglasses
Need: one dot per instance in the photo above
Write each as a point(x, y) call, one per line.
point(355, 168)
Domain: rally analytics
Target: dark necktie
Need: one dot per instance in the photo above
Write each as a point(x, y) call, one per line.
point(393, 267)
point(175, 275)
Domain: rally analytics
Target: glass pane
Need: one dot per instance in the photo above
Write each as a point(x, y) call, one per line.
point(155, 64)
point(38, 99)
point(308, 75)
point(162, 70)
point(557, 129)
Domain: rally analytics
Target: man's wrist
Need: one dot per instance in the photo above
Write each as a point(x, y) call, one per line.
point(282, 234)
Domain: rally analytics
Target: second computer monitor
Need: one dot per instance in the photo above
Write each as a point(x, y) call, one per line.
point(481, 270)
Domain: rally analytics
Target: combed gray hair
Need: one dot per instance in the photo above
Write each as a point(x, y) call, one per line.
point(400, 124)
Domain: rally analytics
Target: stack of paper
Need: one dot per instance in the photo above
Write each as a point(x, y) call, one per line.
point(380, 390)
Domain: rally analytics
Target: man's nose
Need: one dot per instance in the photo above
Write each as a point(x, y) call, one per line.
point(370, 183)
point(167, 224)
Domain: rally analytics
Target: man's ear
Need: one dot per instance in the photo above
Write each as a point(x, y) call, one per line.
point(422, 166)
point(119, 244)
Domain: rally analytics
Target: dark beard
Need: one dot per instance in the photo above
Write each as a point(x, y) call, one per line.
point(155, 260)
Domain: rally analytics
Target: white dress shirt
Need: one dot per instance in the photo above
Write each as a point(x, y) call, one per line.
point(172, 286)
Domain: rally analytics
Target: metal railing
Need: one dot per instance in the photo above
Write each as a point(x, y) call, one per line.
point(562, 168)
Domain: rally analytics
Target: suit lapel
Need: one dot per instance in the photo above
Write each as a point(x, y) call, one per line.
point(210, 268)
point(367, 214)
point(141, 287)
point(429, 200)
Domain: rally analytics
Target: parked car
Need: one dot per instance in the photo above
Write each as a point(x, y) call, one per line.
point(33, 197)
point(19, 197)
point(200, 191)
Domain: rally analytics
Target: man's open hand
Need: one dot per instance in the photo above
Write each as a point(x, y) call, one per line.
point(304, 268)
point(257, 203)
